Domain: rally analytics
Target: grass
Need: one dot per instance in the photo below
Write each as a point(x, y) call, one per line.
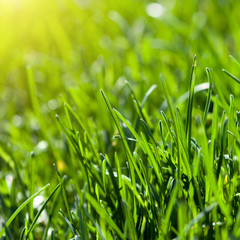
point(107, 132)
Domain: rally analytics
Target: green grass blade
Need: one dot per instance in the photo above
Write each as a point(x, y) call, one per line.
point(199, 217)
point(20, 208)
point(22, 236)
point(206, 110)
point(190, 105)
point(41, 210)
point(32, 172)
point(102, 212)
point(95, 224)
point(231, 76)
point(69, 223)
point(235, 60)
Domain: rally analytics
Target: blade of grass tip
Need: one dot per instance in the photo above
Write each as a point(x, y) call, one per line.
point(206, 110)
point(231, 76)
point(190, 105)
point(103, 214)
point(20, 208)
point(61, 181)
point(235, 60)
point(148, 93)
point(162, 133)
point(41, 210)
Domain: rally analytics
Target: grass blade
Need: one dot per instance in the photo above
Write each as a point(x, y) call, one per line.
point(208, 96)
point(40, 211)
point(103, 214)
point(20, 208)
point(231, 76)
point(190, 105)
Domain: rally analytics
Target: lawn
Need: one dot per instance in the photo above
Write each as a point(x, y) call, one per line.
point(119, 119)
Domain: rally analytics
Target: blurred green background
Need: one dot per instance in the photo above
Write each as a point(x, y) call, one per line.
point(75, 48)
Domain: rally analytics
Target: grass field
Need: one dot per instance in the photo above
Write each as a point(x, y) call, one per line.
point(119, 119)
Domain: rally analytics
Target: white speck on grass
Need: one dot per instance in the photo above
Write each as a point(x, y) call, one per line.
point(155, 10)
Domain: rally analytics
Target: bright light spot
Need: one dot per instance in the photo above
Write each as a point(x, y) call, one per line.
point(42, 146)
point(155, 10)
point(37, 201)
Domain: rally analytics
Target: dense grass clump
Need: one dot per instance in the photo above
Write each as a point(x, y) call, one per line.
point(108, 132)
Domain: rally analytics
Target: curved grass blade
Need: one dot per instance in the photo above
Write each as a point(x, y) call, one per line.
point(20, 208)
